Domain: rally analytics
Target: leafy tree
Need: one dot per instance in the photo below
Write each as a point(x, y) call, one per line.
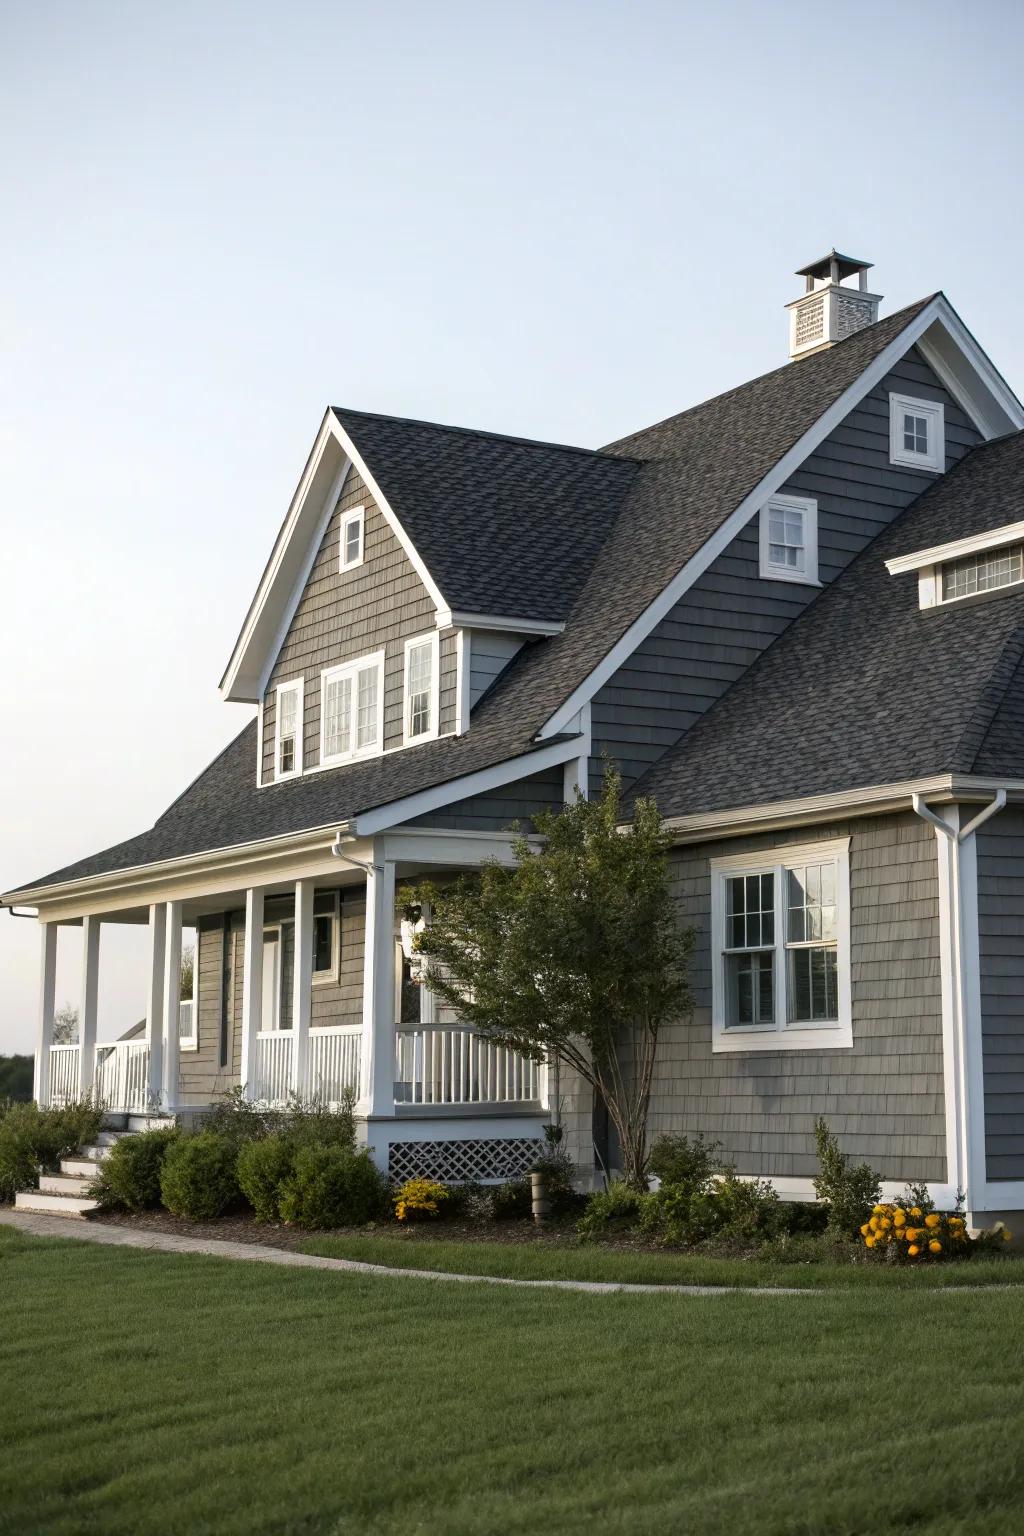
point(188, 963)
point(573, 953)
point(65, 1025)
point(15, 1077)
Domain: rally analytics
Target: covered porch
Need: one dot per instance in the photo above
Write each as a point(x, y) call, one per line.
point(301, 988)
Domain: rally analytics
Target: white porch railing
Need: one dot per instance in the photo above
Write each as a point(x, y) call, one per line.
point(64, 1076)
point(334, 1055)
point(273, 1078)
point(447, 1064)
point(122, 1075)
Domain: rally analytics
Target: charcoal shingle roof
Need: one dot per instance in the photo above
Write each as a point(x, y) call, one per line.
point(866, 687)
point(502, 523)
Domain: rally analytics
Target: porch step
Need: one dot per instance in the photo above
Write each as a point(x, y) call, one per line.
point(64, 1184)
point(55, 1205)
point(151, 1122)
point(109, 1138)
point(95, 1151)
point(84, 1167)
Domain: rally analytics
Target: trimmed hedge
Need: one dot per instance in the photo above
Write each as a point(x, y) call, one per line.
point(32, 1138)
point(331, 1186)
point(129, 1175)
point(263, 1168)
point(198, 1177)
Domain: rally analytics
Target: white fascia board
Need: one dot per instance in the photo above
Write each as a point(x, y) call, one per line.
point(938, 554)
point(384, 817)
point(446, 619)
point(287, 571)
point(970, 374)
point(939, 319)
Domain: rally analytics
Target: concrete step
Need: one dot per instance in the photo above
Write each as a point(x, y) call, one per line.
point(150, 1122)
point(94, 1151)
point(85, 1167)
point(64, 1184)
point(110, 1138)
point(115, 1120)
point(54, 1205)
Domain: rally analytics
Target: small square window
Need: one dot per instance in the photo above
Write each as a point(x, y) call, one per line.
point(917, 433)
point(789, 539)
point(351, 540)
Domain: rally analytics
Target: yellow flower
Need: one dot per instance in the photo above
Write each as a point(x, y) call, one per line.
point(899, 1218)
point(885, 1223)
point(932, 1220)
point(913, 1250)
point(878, 1210)
point(869, 1241)
point(934, 1246)
point(873, 1223)
point(1007, 1234)
point(865, 1229)
point(915, 1210)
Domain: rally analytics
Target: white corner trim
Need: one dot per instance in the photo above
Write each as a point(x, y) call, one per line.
point(353, 515)
point(807, 574)
point(781, 1035)
point(463, 679)
point(297, 686)
point(933, 412)
point(432, 639)
point(384, 817)
point(446, 619)
point(259, 745)
point(938, 554)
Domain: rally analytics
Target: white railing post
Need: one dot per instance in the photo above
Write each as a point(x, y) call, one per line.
point(171, 1011)
point(88, 1004)
point(252, 985)
point(377, 1078)
point(155, 1000)
point(47, 1000)
point(302, 986)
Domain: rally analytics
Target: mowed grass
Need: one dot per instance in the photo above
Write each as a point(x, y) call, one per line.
point(149, 1392)
point(569, 1260)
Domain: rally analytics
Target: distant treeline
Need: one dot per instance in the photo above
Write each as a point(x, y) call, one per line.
point(15, 1077)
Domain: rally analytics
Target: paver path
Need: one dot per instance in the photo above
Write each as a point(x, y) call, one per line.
point(166, 1242)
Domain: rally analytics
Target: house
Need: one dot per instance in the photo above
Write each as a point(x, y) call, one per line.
point(794, 614)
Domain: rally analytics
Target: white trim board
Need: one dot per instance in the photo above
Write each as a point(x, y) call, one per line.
point(993, 408)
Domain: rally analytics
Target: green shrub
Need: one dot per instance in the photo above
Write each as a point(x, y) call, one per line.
point(559, 1177)
point(512, 1201)
point(129, 1175)
point(848, 1193)
point(609, 1210)
point(332, 1186)
point(16, 1078)
point(691, 1161)
point(306, 1123)
point(198, 1177)
point(32, 1138)
point(263, 1167)
point(729, 1209)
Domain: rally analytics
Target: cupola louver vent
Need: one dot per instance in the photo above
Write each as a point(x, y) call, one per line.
point(827, 311)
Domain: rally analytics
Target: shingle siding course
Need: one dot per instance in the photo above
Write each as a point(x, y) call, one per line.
point(1001, 953)
point(498, 810)
point(884, 1097)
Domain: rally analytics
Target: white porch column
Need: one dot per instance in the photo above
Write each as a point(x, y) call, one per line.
point(88, 1004)
point(252, 983)
point(377, 1086)
point(302, 986)
point(155, 999)
point(171, 1007)
point(47, 999)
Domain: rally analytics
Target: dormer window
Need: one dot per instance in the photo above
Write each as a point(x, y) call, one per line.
point(352, 524)
point(288, 731)
point(789, 539)
point(968, 569)
point(917, 434)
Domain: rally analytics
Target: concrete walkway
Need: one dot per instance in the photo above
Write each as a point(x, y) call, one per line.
point(253, 1253)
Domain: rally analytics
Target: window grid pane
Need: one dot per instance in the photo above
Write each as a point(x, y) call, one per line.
point(353, 539)
point(915, 433)
point(750, 988)
point(750, 907)
point(366, 709)
point(983, 572)
point(338, 717)
point(288, 704)
point(419, 684)
point(786, 537)
point(811, 937)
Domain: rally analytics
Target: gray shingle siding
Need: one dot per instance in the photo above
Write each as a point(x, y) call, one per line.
point(201, 1076)
point(490, 652)
point(884, 1096)
point(346, 614)
point(731, 615)
point(1001, 949)
point(509, 805)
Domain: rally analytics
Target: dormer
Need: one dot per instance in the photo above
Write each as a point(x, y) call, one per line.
point(967, 570)
point(835, 303)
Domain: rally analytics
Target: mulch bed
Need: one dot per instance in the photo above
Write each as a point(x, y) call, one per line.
point(276, 1234)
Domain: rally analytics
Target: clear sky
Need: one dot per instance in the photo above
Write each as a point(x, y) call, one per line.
point(564, 220)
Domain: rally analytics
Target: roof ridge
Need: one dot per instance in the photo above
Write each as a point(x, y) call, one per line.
point(501, 437)
point(993, 695)
point(735, 389)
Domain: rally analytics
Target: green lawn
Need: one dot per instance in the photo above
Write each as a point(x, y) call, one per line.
point(175, 1394)
point(569, 1260)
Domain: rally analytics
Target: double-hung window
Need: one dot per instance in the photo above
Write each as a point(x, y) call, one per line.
point(420, 701)
point(780, 939)
point(352, 710)
point(326, 934)
point(351, 540)
point(917, 433)
point(789, 539)
point(288, 731)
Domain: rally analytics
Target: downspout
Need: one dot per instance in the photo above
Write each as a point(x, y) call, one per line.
point(964, 1168)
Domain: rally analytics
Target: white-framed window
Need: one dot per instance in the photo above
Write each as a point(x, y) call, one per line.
point(780, 938)
point(917, 433)
point(789, 539)
point(352, 709)
point(351, 543)
point(986, 571)
point(326, 937)
point(288, 730)
point(188, 1007)
point(420, 696)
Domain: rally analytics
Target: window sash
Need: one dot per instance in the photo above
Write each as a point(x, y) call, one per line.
point(986, 571)
point(289, 715)
point(353, 533)
point(351, 723)
point(419, 689)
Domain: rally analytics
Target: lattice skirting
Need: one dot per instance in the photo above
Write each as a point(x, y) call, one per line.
point(457, 1162)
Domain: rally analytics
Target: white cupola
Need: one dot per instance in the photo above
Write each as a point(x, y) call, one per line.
point(830, 308)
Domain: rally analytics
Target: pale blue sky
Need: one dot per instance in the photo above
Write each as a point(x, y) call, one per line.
point(564, 220)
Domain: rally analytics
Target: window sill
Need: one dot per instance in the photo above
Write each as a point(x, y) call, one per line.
point(791, 579)
point(837, 1037)
point(186, 1047)
point(919, 466)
